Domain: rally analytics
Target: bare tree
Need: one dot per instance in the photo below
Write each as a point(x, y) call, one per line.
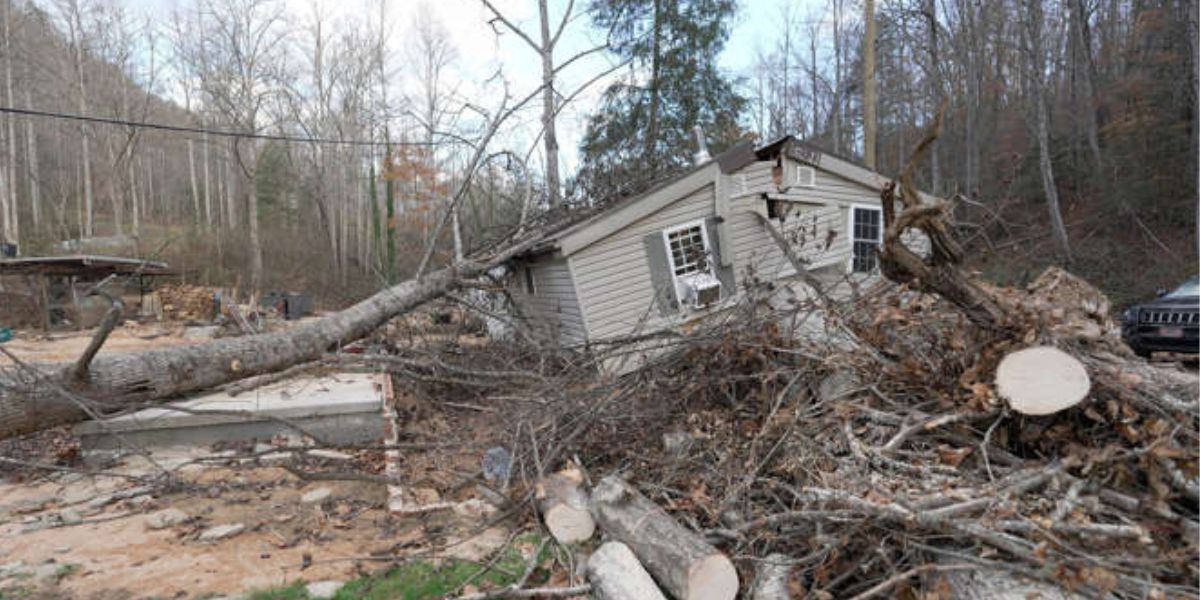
point(243, 67)
point(1035, 49)
point(72, 15)
point(550, 36)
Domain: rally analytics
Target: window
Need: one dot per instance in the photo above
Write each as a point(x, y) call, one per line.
point(866, 233)
point(688, 248)
point(688, 253)
point(529, 287)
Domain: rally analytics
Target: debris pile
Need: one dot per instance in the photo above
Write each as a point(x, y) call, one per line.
point(875, 455)
point(892, 461)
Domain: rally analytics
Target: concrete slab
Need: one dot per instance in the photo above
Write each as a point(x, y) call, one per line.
point(343, 407)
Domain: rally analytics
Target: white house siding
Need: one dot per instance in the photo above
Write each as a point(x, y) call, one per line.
point(807, 226)
point(613, 275)
point(553, 310)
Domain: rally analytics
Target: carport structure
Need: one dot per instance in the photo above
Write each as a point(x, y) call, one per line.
point(54, 279)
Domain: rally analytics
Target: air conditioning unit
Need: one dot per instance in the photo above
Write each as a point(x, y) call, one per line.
point(700, 290)
point(806, 176)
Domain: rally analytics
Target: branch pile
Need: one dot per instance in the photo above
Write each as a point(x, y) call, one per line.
point(882, 454)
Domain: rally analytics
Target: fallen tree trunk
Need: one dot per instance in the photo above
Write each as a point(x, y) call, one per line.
point(616, 574)
point(682, 562)
point(56, 394)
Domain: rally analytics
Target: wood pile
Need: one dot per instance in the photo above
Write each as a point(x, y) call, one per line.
point(183, 302)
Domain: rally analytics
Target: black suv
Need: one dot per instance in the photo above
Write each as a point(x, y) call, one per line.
point(1171, 323)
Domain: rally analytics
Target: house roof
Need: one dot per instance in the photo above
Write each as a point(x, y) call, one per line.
point(852, 170)
point(573, 235)
point(728, 161)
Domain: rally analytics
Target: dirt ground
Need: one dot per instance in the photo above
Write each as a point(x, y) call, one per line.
point(111, 552)
point(36, 347)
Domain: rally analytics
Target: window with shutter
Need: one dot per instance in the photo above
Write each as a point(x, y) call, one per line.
point(691, 261)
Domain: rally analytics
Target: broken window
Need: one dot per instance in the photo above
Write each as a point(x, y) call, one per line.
point(866, 230)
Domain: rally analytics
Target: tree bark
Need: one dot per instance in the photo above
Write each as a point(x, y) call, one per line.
point(652, 124)
point(550, 135)
point(11, 120)
point(771, 578)
point(1042, 129)
point(29, 403)
point(1083, 47)
point(868, 78)
point(191, 151)
point(680, 560)
point(616, 574)
point(31, 165)
point(935, 91)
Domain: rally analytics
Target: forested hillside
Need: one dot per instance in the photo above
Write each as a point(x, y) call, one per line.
point(1070, 132)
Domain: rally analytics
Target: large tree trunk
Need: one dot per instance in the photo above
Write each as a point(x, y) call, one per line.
point(682, 562)
point(868, 79)
point(119, 381)
point(550, 133)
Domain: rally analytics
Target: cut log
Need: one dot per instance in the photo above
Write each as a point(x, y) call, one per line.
point(564, 507)
point(680, 560)
point(1041, 380)
point(771, 578)
point(31, 403)
point(616, 574)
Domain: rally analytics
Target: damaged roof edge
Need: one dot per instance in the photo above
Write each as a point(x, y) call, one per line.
point(578, 235)
point(575, 236)
point(841, 166)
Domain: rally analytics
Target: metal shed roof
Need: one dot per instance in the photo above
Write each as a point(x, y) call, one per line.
point(83, 265)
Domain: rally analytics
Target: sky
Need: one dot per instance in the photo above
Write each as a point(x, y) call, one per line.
point(481, 52)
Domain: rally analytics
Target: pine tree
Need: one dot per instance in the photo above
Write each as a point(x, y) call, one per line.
point(643, 131)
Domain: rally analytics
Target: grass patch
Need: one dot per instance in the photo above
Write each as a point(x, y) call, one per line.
point(419, 580)
point(294, 591)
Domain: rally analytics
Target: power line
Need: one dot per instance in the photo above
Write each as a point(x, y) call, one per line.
point(214, 132)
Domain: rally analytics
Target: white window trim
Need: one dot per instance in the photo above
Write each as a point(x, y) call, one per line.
point(852, 238)
point(708, 253)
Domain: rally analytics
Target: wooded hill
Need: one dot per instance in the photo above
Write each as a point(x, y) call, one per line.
point(1081, 112)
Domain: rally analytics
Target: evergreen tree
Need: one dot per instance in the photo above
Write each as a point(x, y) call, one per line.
point(643, 131)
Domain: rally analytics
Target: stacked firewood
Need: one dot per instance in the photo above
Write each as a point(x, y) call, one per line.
point(183, 302)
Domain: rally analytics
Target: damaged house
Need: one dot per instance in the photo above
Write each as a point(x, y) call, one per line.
point(686, 249)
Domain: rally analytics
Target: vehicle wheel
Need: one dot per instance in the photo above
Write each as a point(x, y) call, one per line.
point(1140, 351)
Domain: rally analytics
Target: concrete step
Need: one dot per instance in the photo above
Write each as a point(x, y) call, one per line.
point(339, 407)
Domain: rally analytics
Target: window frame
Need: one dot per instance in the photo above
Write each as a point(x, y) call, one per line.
point(854, 239)
point(708, 256)
point(812, 183)
point(666, 235)
point(530, 282)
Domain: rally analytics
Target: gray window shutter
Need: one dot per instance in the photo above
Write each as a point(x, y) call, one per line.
point(660, 274)
point(724, 273)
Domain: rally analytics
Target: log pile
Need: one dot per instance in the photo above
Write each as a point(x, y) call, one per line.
point(183, 302)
